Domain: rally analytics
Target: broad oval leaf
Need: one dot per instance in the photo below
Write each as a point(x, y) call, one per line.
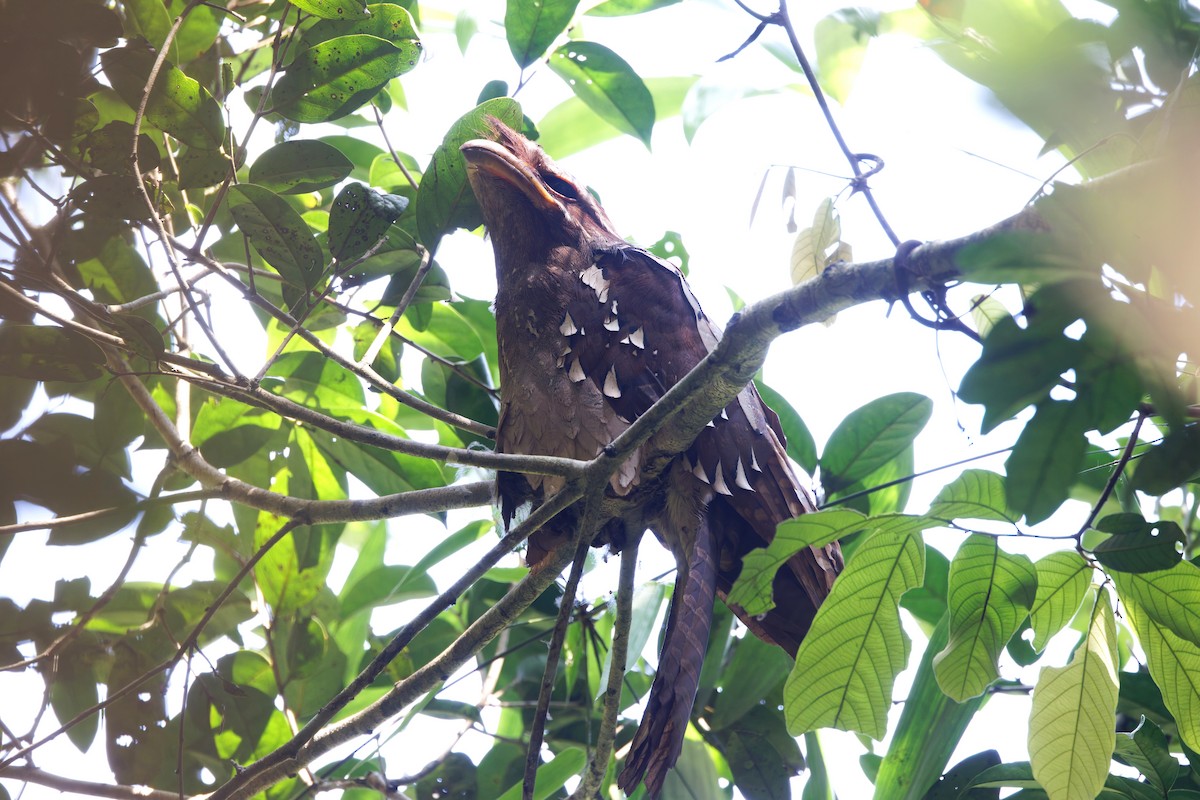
point(871, 436)
point(1063, 578)
point(990, 594)
point(622, 8)
point(444, 199)
point(359, 218)
point(1137, 545)
point(1046, 459)
point(1174, 664)
point(1174, 460)
point(337, 76)
point(1145, 748)
point(608, 85)
point(849, 660)
point(278, 233)
point(1170, 598)
point(332, 9)
point(177, 104)
point(975, 494)
point(841, 40)
point(1071, 736)
point(531, 27)
point(387, 21)
point(800, 445)
point(300, 166)
point(571, 126)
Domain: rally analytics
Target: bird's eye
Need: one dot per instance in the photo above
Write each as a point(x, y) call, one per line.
point(560, 186)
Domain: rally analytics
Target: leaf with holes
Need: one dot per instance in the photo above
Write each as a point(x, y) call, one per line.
point(849, 660)
point(333, 9)
point(990, 593)
point(359, 219)
point(336, 77)
point(300, 166)
point(278, 233)
point(533, 27)
point(1138, 545)
point(608, 85)
point(177, 104)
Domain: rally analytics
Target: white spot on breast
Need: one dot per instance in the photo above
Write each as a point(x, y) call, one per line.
point(636, 338)
point(576, 372)
point(568, 326)
point(559, 362)
point(614, 307)
point(612, 324)
point(754, 461)
point(603, 293)
point(739, 477)
point(699, 472)
point(718, 483)
point(724, 414)
point(611, 388)
point(593, 276)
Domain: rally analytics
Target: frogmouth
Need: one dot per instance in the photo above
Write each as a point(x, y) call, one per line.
point(592, 331)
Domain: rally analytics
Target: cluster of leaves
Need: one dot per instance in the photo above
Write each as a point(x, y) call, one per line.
point(131, 122)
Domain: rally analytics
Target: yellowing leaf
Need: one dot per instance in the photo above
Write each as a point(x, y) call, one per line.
point(1071, 737)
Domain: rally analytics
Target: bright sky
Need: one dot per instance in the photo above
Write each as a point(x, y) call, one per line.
point(954, 164)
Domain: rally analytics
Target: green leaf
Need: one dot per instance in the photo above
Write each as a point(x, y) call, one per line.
point(228, 432)
point(608, 85)
point(1137, 545)
point(278, 233)
point(552, 775)
point(531, 27)
point(990, 593)
point(571, 126)
point(1046, 460)
point(801, 447)
point(1017, 367)
point(359, 218)
point(1175, 666)
point(1176, 459)
point(387, 21)
point(755, 670)
point(1170, 598)
point(1107, 382)
point(1146, 749)
point(73, 691)
point(929, 729)
point(1062, 581)
point(1021, 257)
point(753, 588)
point(975, 494)
point(871, 436)
point(45, 353)
point(849, 660)
point(1071, 737)
point(444, 199)
point(841, 40)
point(621, 8)
point(337, 76)
point(927, 602)
point(177, 104)
point(761, 755)
point(300, 166)
point(333, 9)
point(384, 586)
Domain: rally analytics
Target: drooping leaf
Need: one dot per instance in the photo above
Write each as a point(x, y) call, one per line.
point(360, 216)
point(755, 670)
point(1174, 664)
point(177, 103)
point(761, 755)
point(1170, 598)
point(608, 85)
point(444, 199)
point(552, 775)
point(1145, 748)
point(1046, 459)
point(990, 593)
point(871, 436)
point(531, 27)
point(337, 76)
point(1062, 581)
point(849, 660)
point(278, 233)
point(571, 126)
point(1173, 461)
point(300, 165)
point(1138, 545)
point(801, 447)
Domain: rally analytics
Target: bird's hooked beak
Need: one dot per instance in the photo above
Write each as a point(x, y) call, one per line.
point(487, 159)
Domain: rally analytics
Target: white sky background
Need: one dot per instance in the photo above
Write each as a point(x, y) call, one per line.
point(922, 118)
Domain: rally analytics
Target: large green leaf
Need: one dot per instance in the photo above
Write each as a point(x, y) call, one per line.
point(1046, 459)
point(801, 447)
point(444, 199)
point(1137, 545)
point(990, 593)
point(871, 436)
point(841, 40)
point(1018, 366)
point(333, 9)
point(1170, 598)
point(1175, 666)
point(1062, 581)
point(1071, 737)
point(1146, 749)
point(756, 669)
point(552, 775)
point(608, 85)
point(849, 660)
point(753, 588)
point(300, 165)
point(278, 233)
point(337, 76)
point(531, 27)
point(46, 353)
point(571, 126)
point(359, 218)
point(975, 494)
point(761, 755)
point(1175, 460)
point(387, 21)
point(177, 104)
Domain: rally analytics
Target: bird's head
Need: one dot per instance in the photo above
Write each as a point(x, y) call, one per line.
point(529, 204)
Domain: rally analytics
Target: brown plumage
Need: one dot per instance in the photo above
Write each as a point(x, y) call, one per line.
point(592, 331)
